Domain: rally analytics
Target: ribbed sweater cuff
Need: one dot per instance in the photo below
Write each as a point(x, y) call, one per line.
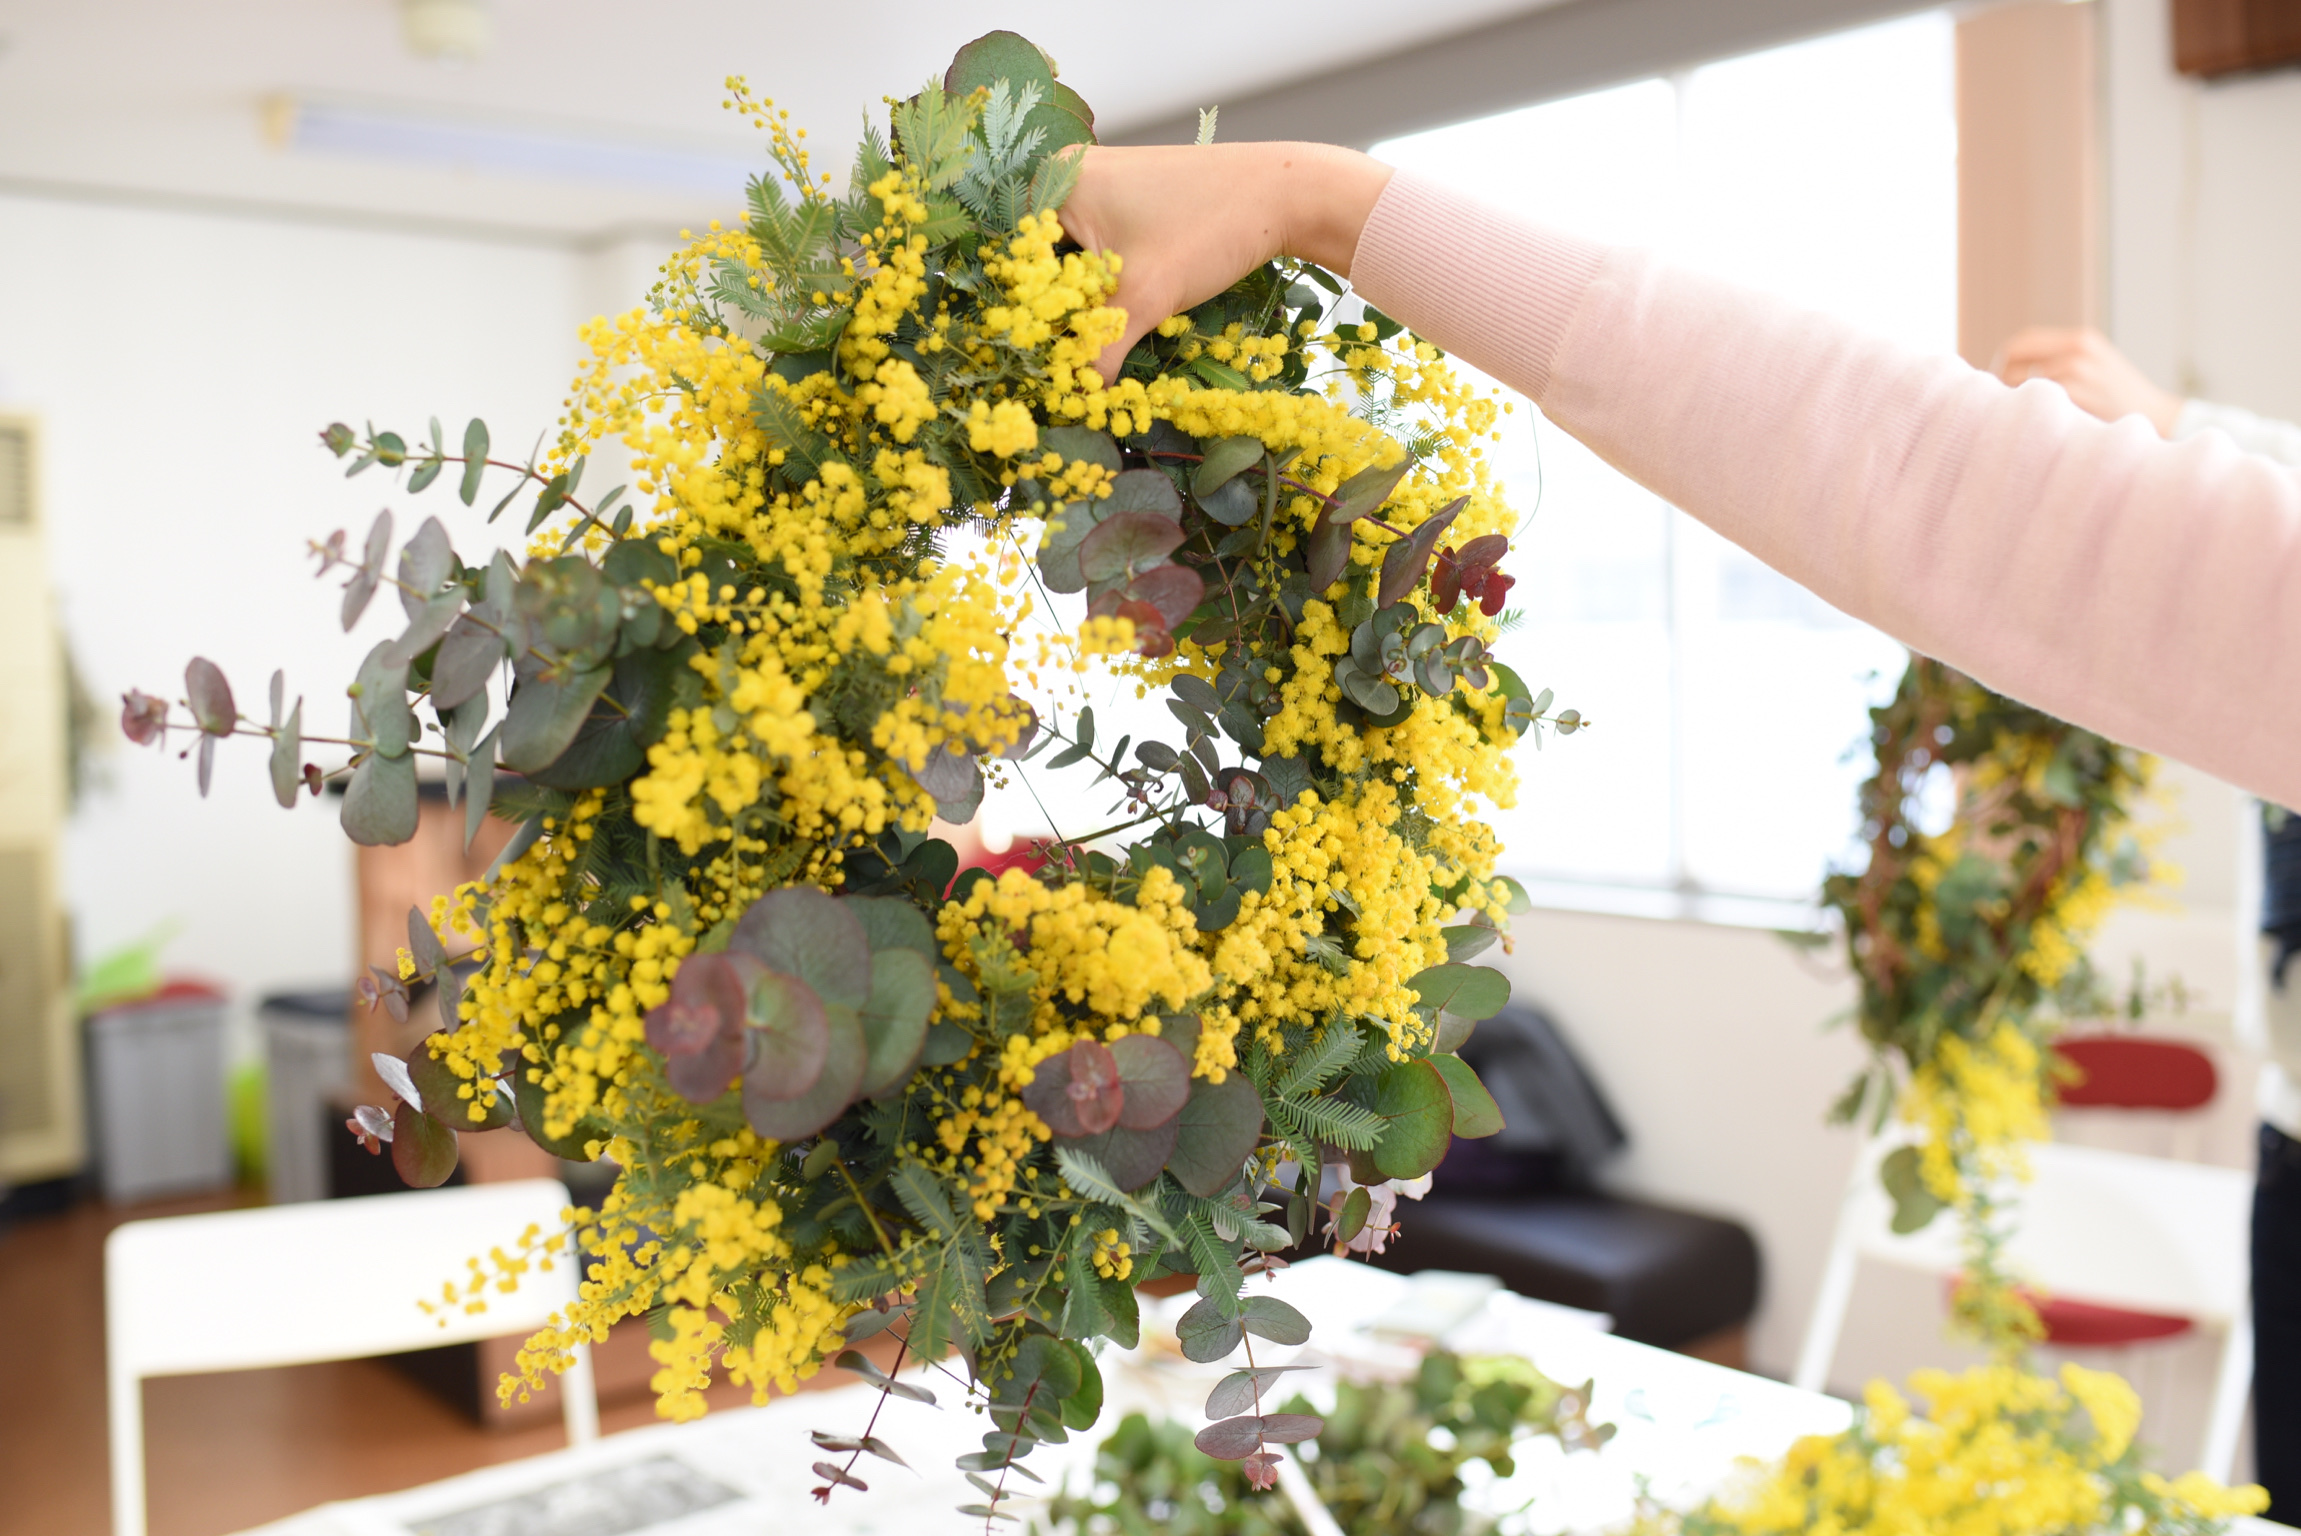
point(1470, 277)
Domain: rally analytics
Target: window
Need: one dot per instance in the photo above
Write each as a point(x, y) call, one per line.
point(1728, 701)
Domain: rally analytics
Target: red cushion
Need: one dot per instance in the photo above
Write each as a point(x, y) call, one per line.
point(2137, 1072)
point(2081, 1322)
point(2084, 1322)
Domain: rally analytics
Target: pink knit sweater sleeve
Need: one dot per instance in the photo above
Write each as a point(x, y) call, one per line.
point(2148, 590)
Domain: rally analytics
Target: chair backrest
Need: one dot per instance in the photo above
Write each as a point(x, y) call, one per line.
point(322, 1280)
point(2106, 1227)
point(2144, 1233)
point(2137, 1072)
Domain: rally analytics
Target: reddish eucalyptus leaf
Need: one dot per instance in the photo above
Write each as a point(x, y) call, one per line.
point(706, 996)
point(1291, 1428)
point(790, 1037)
point(1128, 541)
point(1077, 1093)
point(1261, 1470)
point(422, 1149)
point(1156, 1081)
point(210, 697)
point(1497, 589)
point(1174, 590)
point(1152, 638)
point(1485, 550)
point(1240, 1391)
point(1230, 1439)
point(1405, 561)
point(1328, 554)
point(143, 719)
point(1446, 583)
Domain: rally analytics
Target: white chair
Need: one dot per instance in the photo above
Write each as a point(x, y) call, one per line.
point(331, 1280)
point(2107, 1228)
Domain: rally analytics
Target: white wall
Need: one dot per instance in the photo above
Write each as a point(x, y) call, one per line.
point(182, 365)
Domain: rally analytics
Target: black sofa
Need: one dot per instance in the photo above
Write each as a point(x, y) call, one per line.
point(1524, 1205)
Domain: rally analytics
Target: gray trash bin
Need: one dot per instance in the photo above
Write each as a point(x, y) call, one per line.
point(156, 1083)
point(307, 1059)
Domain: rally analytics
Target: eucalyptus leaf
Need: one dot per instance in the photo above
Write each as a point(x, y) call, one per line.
point(423, 1149)
point(381, 804)
point(545, 713)
point(1217, 1129)
point(474, 460)
point(1225, 459)
point(819, 939)
point(287, 757)
point(1475, 1112)
point(362, 586)
point(895, 1017)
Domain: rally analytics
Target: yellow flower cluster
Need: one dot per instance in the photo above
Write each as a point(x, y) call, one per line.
point(1998, 1452)
point(1111, 1257)
point(1978, 1105)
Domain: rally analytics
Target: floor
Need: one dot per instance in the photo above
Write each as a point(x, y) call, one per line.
point(224, 1452)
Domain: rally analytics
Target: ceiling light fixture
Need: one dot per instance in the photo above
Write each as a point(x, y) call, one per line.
point(529, 151)
point(452, 31)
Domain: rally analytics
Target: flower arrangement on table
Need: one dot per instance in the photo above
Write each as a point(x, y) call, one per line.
point(847, 1087)
point(1389, 1457)
point(1965, 942)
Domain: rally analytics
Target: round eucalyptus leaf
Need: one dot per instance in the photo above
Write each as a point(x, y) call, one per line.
point(1077, 1092)
point(1175, 591)
point(1156, 1079)
point(1129, 541)
point(1234, 504)
point(1226, 458)
point(422, 1149)
point(890, 922)
point(1230, 1439)
point(1240, 1391)
point(1196, 692)
point(954, 781)
point(804, 933)
point(1266, 1317)
point(783, 1052)
point(1143, 490)
point(1205, 1334)
point(1475, 1112)
point(210, 697)
point(1418, 1120)
point(545, 713)
point(381, 804)
point(1082, 445)
point(895, 1017)
point(1216, 1132)
point(833, 1090)
point(362, 586)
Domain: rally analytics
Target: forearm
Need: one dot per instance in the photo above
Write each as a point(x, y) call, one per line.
point(2137, 587)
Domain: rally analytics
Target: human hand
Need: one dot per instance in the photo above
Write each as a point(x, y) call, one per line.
point(1189, 220)
point(2096, 375)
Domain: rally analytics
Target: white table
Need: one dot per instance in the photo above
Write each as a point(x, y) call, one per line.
point(1681, 1423)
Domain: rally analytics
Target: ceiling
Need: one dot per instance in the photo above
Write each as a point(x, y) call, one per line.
point(583, 118)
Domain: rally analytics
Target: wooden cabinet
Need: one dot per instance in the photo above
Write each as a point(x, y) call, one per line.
point(2220, 37)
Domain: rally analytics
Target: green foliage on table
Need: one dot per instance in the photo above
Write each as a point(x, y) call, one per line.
point(1389, 1459)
